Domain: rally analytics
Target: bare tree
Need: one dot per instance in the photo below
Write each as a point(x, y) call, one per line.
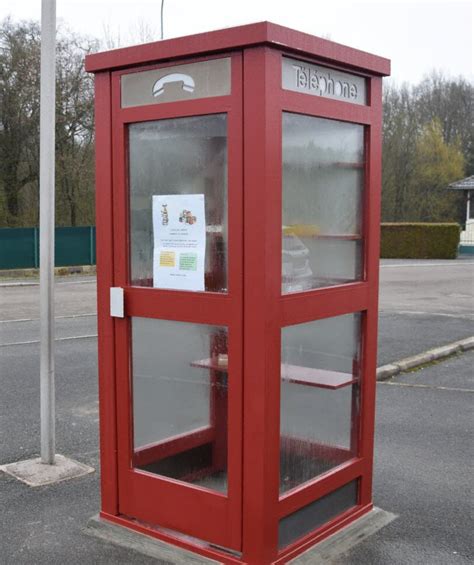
point(451, 103)
point(19, 112)
point(19, 126)
point(434, 118)
point(139, 31)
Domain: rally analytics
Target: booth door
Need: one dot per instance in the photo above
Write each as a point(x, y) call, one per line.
point(178, 257)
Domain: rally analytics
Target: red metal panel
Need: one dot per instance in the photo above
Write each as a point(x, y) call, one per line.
point(370, 322)
point(323, 49)
point(169, 503)
point(172, 109)
point(262, 33)
point(323, 303)
point(105, 274)
point(262, 264)
point(325, 107)
point(307, 493)
point(198, 307)
point(189, 46)
point(171, 446)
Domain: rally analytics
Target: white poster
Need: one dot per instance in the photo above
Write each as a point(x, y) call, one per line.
point(179, 233)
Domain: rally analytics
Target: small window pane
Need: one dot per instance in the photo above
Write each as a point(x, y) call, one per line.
point(178, 157)
point(180, 400)
point(319, 397)
point(323, 179)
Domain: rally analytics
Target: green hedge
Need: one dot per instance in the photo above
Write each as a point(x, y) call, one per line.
point(419, 241)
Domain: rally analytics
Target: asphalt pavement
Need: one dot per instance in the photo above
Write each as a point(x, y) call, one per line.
point(424, 423)
point(424, 454)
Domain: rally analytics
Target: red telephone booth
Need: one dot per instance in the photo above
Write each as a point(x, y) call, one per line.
point(238, 196)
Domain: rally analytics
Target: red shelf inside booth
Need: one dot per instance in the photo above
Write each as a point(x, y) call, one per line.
point(209, 364)
point(348, 237)
point(321, 378)
point(316, 377)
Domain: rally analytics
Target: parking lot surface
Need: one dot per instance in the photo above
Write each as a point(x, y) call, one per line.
point(424, 423)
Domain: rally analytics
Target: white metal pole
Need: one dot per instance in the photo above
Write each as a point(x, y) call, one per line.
point(47, 176)
point(161, 19)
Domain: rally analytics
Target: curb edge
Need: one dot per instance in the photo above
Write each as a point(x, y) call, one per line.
point(388, 371)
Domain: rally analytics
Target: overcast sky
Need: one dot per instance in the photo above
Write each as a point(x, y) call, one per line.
point(417, 35)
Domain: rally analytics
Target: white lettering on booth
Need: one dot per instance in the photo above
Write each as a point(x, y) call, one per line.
point(300, 76)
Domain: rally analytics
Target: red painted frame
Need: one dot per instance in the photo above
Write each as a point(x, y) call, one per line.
point(254, 310)
point(209, 515)
point(267, 312)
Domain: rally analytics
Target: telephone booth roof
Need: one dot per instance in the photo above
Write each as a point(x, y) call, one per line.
point(252, 35)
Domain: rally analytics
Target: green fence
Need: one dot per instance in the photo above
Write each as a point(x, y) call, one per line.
point(19, 247)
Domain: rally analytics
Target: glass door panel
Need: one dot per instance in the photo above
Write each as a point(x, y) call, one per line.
point(179, 375)
point(179, 157)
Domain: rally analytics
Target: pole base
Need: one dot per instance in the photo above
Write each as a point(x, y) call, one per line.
point(37, 474)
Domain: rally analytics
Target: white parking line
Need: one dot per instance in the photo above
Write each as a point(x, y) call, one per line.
point(36, 283)
point(57, 339)
point(418, 385)
point(398, 265)
point(56, 318)
point(423, 313)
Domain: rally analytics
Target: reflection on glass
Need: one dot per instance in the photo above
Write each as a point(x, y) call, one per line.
point(180, 400)
point(179, 156)
point(319, 397)
point(323, 179)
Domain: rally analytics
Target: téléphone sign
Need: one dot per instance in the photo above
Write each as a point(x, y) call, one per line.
point(307, 78)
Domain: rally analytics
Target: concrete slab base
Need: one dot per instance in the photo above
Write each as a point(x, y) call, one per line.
point(146, 545)
point(36, 474)
point(327, 551)
point(333, 548)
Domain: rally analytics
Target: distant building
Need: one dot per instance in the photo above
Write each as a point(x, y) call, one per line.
point(467, 236)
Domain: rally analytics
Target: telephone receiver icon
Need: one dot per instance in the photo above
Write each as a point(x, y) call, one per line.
point(187, 83)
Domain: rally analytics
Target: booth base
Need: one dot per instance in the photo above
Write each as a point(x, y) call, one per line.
point(327, 550)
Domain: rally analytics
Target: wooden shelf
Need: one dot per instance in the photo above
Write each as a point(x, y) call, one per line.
point(321, 378)
point(301, 232)
point(345, 237)
point(209, 364)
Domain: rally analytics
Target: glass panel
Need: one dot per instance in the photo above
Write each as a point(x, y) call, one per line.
point(316, 514)
point(319, 397)
point(179, 157)
point(323, 180)
point(180, 400)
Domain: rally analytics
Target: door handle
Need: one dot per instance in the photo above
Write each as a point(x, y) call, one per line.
point(117, 302)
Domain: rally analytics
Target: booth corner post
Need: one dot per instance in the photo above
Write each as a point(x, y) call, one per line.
point(47, 199)
point(238, 180)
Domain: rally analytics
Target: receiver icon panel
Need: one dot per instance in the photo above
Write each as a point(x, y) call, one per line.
point(187, 83)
